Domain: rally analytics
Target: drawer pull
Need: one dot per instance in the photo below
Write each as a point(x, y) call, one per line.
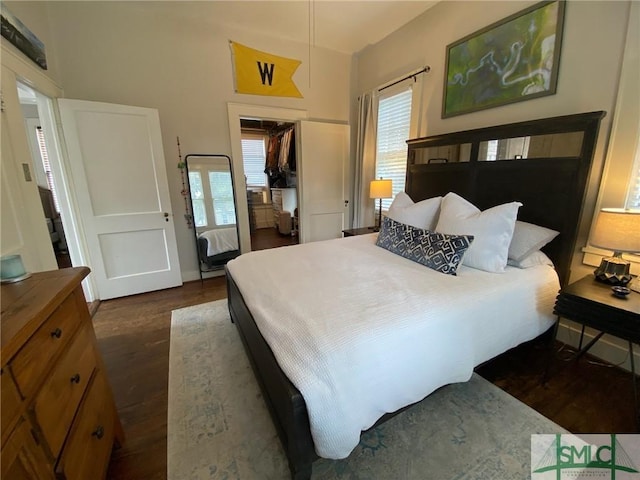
point(57, 333)
point(75, 378)
point(99, 433)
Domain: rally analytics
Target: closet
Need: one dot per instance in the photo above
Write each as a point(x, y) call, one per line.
point(272, 193)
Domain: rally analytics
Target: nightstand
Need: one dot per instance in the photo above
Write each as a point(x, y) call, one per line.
point(352, 232)
point(593, 305)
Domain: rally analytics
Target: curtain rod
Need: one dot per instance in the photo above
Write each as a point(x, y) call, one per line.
point(426, 69)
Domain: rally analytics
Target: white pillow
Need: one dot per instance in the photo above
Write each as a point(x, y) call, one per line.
point(529, 238)
point(423, 214)
point(492, 230)
point(531, 260)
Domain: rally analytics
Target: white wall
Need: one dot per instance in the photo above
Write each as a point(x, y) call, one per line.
point(590, 72)
point(173, 57)
point(33, 15)
point(590, 61)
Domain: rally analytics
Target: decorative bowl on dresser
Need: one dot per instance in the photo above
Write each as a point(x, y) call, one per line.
point(59, 419)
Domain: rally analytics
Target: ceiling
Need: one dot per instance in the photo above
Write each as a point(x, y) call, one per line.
point(345, 26)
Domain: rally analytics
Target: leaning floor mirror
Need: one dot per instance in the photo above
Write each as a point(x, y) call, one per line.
point(213, 208)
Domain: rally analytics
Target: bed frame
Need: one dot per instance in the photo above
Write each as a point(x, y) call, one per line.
point(551, 188)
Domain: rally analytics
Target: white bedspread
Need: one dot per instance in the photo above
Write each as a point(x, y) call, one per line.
point(362, 332)
point(220, 240)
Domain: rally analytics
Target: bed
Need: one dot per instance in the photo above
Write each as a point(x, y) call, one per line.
point(216, 247)
point(551, 188)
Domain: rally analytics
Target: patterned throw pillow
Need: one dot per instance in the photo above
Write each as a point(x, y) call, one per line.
point(440, 252)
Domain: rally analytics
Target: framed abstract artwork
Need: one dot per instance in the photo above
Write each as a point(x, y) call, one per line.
point(514, 59)
point(19, 35)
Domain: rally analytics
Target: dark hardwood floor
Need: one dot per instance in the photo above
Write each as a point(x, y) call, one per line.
point(587, 396)
point(263, 238)
point(133, 334)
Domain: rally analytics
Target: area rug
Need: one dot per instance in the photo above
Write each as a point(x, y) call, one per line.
point(219, 426)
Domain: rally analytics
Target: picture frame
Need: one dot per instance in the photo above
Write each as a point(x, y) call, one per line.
point(21, 37)
point(512, 60)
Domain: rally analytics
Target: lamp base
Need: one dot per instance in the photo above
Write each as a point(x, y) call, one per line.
point(613, 271)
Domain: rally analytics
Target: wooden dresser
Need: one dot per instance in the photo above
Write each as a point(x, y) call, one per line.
point(58, 415)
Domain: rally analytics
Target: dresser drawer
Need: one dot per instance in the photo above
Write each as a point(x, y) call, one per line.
point(10, 402)
point(44, 346)
point(21, 458)
point(88, 448)
point(58, 399)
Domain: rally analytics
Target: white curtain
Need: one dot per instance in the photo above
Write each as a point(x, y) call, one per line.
point(363, 208)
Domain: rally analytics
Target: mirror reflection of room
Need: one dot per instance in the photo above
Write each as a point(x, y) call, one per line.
point(213, 210)
point(269, 161)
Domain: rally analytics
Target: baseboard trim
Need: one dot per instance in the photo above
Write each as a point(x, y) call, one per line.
point(610, 349)
point(192, 275)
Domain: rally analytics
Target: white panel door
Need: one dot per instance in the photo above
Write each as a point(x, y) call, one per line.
point(119, 177)
point(322, 163)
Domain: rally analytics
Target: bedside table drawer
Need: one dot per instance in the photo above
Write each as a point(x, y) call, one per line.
point(44, 346)
point(88, 447)
point(59, 397)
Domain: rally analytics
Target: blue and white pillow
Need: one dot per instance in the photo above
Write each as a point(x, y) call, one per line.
point(440, 252)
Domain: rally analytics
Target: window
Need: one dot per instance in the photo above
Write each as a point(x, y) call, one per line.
point(197, 199)
point(394, 121)
point(223, 207)
point(214, 206)
point(42, 146)
point(492, 150)
point(253, 159)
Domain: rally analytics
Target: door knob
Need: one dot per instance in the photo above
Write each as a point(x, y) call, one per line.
point(166, 216)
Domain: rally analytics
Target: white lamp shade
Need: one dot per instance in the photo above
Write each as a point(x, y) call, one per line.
point(617, 229)
point(380, 189)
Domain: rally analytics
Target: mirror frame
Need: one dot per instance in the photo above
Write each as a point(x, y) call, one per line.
point(225, 256)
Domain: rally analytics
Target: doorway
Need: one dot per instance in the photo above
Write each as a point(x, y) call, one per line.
point(270, 172)
point(43, 173)
point(236, 114)
point(322, 155)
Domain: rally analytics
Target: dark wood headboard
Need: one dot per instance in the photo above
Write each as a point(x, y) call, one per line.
point(550, 182)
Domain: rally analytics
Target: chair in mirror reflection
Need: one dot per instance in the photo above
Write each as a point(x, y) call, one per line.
point(213, 210)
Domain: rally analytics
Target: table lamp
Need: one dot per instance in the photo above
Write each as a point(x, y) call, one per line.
point(380, 189)
point(616, 229)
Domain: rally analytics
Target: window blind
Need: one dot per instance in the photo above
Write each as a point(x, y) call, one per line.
point(253, 159)
point(394, 121)
point(42, 146)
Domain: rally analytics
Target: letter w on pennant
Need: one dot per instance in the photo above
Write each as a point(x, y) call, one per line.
point(266, 72)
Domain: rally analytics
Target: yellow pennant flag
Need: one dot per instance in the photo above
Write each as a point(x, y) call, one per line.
point(260, 73)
